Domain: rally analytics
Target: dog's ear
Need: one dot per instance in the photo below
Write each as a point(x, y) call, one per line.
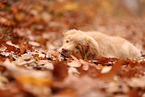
point(71, 32)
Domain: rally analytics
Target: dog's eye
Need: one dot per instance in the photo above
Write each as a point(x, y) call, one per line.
point(67, 41)
point(77, 47)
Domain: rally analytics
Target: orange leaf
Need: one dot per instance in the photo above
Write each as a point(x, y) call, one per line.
point(100, 66)
point(12, 48)
point(115, 69)
point(2, 58)
point(2, 3)
point(34, 19)
point(60, 70)
point(14, 9)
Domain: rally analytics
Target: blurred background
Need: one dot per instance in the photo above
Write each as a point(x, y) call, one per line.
point(124, 18)
point(69, 13)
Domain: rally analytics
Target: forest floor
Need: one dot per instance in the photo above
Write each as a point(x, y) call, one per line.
point(30, 65)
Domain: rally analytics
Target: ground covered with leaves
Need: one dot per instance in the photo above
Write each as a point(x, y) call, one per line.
point(31, 66)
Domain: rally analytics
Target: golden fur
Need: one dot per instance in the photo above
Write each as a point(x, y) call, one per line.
point(97, 45)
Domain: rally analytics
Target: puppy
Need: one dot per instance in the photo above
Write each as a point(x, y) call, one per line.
point(96, 45)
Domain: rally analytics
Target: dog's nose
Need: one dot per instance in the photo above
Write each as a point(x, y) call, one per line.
point(64, 50)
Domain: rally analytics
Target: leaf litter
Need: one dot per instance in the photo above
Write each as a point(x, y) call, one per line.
point(31, 66)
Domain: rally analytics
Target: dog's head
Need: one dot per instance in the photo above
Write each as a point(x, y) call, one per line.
point(73, 42)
